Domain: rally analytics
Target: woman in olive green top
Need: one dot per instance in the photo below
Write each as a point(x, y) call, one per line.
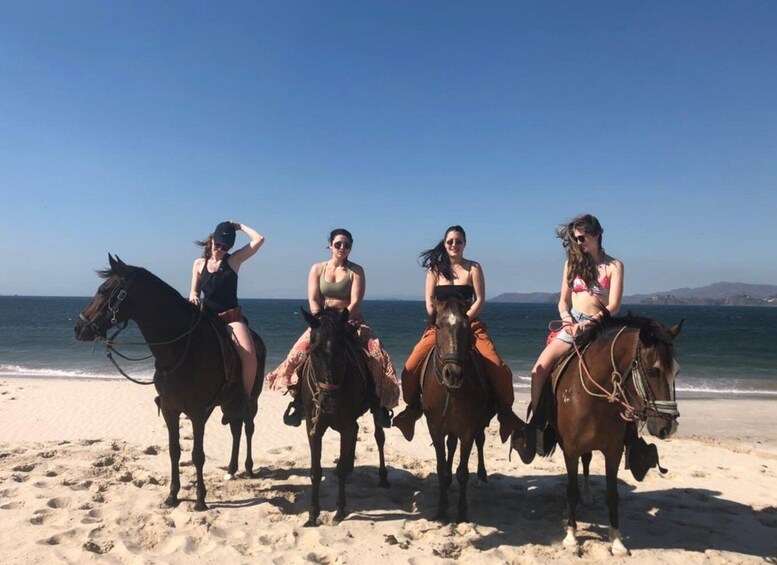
point(339, 283)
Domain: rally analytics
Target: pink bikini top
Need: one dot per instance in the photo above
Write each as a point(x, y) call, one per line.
point(602, 287)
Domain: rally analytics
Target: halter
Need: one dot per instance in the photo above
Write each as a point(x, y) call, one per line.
point(650, 407)
point(447, 359)
point(318, 389)
point(114, 301)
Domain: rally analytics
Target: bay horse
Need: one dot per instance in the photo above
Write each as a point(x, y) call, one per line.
point(456, 400)
point(623, 373)
point(336, 390)
point(196, 365)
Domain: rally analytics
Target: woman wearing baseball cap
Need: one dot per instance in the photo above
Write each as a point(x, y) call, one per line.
point(214, 274)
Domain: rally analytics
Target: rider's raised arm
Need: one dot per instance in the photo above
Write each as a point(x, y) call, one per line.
point(249, 249)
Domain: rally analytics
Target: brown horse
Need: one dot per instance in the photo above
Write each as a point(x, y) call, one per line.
point(336, 390)
point(456, 400)
point(196, 365)
point(624, 373)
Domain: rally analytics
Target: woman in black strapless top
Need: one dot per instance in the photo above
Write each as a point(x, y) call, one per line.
point(450, 274)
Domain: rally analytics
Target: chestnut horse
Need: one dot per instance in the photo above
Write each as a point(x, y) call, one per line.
point(624, 372)
point(336, 390)
point(455, 399)
point(196, 365)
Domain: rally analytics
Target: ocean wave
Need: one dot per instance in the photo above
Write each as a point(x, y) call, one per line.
point(20, 371)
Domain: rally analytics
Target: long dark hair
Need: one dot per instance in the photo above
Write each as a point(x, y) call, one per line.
point(580, 264)
point(207, 245)
point(436, 259)
point(340, 231)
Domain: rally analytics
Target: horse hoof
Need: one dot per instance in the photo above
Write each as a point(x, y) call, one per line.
point(483, 478)
point(619, 550)
point(462, 519)
point(441, 517)
point(339, 517)
point(571, 540)
point(229, 477)
point(172, 501)
point(200, 506)
point(311, 523)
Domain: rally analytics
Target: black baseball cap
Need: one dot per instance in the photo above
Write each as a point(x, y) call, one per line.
point(224, 234)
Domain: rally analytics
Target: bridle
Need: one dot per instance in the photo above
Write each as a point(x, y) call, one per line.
point(112, 305)
point(648, 406)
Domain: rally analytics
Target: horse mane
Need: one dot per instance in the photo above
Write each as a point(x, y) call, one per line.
point(141, 274)
point(651, 333)
point(328, 319)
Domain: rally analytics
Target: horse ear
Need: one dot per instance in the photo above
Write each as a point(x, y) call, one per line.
point(117, 265)
point(675, 331)
point(310, 318)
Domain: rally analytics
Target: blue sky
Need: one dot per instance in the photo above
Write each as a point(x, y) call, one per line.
point(135, 127)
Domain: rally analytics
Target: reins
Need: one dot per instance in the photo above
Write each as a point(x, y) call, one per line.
point(650, 406)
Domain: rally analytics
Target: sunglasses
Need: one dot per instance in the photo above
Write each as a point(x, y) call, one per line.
point(220, 247)
point(452, 242)
point(342, 245)
point(580, 238)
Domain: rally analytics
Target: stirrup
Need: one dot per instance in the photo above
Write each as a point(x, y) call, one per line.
point(382, 416)
point(293, 414)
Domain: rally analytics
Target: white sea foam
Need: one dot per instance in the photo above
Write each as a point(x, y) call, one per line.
point(20, 371)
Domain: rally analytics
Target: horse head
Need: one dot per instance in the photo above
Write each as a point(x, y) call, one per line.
point(655, 371)
point(109, 305)
point(454, 341)
point(328, 353)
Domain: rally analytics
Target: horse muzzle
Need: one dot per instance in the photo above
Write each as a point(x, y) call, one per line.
point(86, 330)
point(661, 427)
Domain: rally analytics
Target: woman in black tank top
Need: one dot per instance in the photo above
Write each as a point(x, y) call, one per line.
point(450, 274)
point(214, 274)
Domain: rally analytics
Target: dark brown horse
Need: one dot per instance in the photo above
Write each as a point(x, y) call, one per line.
point(336, 390)
point(197, 368)
point(456, 401)
point(626, 375)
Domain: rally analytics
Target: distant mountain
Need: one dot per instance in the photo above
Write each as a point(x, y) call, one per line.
point(718, 294)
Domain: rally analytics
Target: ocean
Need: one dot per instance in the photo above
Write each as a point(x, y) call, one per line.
point(722, 351)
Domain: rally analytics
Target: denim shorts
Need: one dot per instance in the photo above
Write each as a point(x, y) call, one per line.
point(578, 317)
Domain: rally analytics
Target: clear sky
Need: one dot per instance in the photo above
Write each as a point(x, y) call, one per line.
point(135, 127)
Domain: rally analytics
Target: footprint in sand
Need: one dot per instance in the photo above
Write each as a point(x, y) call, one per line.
point(19, 478)
point(12, 506)
point(106, 461)
point(51, 473)
point(58, 502)
point(47, 454)
point(24, 468)
point(40, 517)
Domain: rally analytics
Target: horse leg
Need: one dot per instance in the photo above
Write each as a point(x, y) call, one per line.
point(380, 440)
point(587, 497)
point(236, 427)
point(444, 477)
point(612, 462)
point(452, 443)
point(462, 476)
point(198, 458)
point(315, 476)
point(345, 465)
point(573, 496)
point(250, 427)
point(480, 440)
point(174, 445)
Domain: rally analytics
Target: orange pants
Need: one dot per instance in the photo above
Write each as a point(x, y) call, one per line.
point(499, 375)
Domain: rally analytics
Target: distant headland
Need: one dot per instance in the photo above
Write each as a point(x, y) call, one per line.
point(717, 294)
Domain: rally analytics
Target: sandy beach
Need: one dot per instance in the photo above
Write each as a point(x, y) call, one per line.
point(84, 469)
